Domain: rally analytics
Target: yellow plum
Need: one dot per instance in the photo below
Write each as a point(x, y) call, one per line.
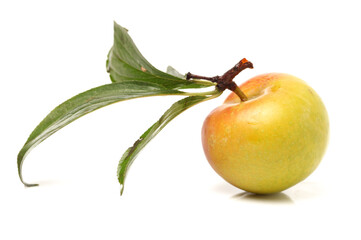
point(273, 140)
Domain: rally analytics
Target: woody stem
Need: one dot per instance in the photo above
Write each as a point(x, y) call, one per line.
point(226, 80)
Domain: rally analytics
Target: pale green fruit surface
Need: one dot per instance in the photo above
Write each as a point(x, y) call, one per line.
point(272, 141)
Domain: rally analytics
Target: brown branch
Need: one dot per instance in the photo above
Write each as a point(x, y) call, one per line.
point(226, 80)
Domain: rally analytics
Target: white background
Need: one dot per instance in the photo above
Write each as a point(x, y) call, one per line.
point(50, 51)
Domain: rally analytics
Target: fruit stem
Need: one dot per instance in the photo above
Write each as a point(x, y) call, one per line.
point(240, 94)
point(226, 80)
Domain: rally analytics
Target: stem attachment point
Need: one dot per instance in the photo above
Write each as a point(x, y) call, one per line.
point(226, 80)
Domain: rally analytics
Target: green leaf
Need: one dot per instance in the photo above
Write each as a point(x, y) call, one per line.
point(133, 77)
point(87, 102)
point(125, 62)
point(172, 71)
point(176, 109)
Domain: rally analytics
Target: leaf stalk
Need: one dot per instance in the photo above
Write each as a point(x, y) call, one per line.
point(226, 80)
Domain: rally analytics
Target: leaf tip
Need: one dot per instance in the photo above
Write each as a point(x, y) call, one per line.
point(27, 184)
point(30, 184)
point(121, 189)
point(116, 25)
point(20, 161)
